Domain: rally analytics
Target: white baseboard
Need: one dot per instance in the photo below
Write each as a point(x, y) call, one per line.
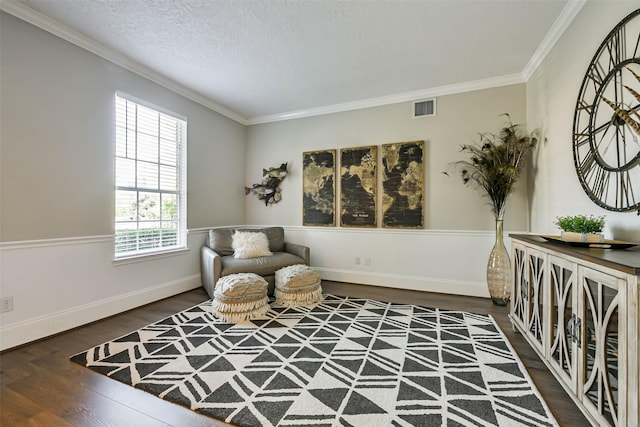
point(41, 327)
point(416, 283)
point(450, 262)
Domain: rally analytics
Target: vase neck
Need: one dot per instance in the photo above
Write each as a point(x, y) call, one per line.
point(499, 231)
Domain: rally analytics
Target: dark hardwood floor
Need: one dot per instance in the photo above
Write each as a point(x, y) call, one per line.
point(40, 386)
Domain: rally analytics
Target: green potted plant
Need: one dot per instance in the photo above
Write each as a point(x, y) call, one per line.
point(581, 228)
point(495, 163)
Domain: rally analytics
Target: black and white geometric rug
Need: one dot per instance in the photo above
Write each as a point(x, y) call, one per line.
point(342, 362)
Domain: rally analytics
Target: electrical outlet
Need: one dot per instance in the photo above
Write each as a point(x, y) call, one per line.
point(367, 261)
point(357, 260)
point(6, 304)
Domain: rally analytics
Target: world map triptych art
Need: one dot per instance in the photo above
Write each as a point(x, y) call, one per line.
point(401, 186)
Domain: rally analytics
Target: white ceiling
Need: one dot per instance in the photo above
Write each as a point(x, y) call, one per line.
point(261, 60)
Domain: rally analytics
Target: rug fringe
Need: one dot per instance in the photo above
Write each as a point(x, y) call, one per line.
point(298, 298)
point(231, 307)
point(235, 313)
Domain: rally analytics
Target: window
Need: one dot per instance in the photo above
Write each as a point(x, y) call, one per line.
point(150, 169)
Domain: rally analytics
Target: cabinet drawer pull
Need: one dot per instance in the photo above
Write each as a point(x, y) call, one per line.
point(570, 328)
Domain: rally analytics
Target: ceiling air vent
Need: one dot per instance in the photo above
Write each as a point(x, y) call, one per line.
point(424, 108)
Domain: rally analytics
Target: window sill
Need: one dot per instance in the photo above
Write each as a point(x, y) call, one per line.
point(150, 256)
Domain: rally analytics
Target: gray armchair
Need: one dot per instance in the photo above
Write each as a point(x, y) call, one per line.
point(217, 257)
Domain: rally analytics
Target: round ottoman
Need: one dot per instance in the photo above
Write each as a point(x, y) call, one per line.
point(239, 297)
point(298, 285)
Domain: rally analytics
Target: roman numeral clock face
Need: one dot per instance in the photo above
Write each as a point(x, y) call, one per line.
point(606, 125)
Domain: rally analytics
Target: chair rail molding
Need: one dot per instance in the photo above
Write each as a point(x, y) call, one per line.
point(59, 284)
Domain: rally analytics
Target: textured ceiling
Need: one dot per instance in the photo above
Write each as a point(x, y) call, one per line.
point(268, 57)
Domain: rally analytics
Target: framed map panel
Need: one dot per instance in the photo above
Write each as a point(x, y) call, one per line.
point(358, 181)
point(318, 188)
point(403, 185)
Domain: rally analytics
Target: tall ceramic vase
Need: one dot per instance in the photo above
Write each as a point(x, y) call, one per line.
point(499, 270)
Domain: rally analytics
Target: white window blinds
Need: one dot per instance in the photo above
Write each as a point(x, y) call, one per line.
point(150, 175)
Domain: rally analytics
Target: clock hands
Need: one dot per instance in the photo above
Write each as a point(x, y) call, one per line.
point(637, 96)
point(623, 115)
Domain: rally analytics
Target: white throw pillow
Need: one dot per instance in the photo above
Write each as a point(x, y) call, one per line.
point(247, 244)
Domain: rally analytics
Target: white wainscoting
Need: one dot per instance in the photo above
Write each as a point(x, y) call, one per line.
point(60, 284)
point(445, 261)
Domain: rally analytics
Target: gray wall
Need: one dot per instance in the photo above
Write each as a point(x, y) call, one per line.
point(57, 141)
point(551, 99)
point(56, 196)
point(448, 204)
point(450, 254)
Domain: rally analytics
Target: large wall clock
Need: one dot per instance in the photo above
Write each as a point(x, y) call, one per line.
point(606, 125)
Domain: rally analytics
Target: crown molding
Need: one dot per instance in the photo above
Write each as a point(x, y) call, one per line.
point(391, 99)
point(54, 27)
point(566, 17)
point(33, 17)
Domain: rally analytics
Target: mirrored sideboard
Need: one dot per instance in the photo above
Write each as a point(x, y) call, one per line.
point(578, 308)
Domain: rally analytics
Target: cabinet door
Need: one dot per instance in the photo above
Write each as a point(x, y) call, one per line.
point(536, 298)
point(602, 319)
point(563, 348)
point(520, 290)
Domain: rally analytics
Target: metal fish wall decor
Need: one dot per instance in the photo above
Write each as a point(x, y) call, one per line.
point(268, 190)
